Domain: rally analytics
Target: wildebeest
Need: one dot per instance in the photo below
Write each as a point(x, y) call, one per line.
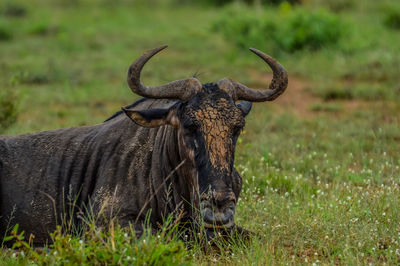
point(176, 156)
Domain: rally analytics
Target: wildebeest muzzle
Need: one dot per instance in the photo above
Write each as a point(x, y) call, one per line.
point(218, 209)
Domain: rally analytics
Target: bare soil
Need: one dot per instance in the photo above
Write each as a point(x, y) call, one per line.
point(300, 101)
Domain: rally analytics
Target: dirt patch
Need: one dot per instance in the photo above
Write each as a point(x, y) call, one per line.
point(300, 101)
point(296, 98)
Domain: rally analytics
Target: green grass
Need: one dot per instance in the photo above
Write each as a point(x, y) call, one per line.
point(116, 246)
point(321, 175)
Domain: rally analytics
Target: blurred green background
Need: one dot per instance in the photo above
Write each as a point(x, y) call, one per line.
point(335, 131)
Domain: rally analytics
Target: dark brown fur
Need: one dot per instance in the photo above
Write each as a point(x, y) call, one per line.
point(116, 167)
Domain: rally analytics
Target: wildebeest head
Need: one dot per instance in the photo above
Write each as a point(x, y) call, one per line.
point(209, 120)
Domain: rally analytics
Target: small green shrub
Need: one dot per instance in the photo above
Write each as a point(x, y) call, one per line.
point(337, 93)
point(5, 33)
point(8, 108)
point(288, 29)
point(392, 19)
point(249, 2)
point(14, 10)
point(44, 28)
point(307, 30)
point(335, 5)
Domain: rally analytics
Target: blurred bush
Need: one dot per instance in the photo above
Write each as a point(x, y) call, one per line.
point(5, 33)
point(287, 29)
point(43, 28)
point(11, 9)
point(392, 18)
point(249, 2)
point(334, 5)
point(8, 108)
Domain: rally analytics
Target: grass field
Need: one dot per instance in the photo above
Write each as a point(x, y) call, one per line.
point(321, 165)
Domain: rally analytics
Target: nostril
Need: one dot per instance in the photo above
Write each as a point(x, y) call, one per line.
point(220, 203)
point(223, 200)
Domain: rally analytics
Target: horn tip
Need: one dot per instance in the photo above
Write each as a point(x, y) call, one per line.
point(258, 52)
point(254, 50)
point(161, 47)
point(156, 50)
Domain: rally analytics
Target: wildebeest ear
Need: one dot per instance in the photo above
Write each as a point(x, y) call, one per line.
point(154, 117)
point(245, 107)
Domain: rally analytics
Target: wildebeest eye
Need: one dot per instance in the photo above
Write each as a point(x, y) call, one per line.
point(191, 127)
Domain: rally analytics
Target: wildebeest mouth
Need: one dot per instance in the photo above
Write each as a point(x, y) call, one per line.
point(217, 218)
point(229, 225)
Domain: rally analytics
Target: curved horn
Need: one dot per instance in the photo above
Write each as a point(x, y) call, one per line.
point(182, 89)
point(277, 87)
